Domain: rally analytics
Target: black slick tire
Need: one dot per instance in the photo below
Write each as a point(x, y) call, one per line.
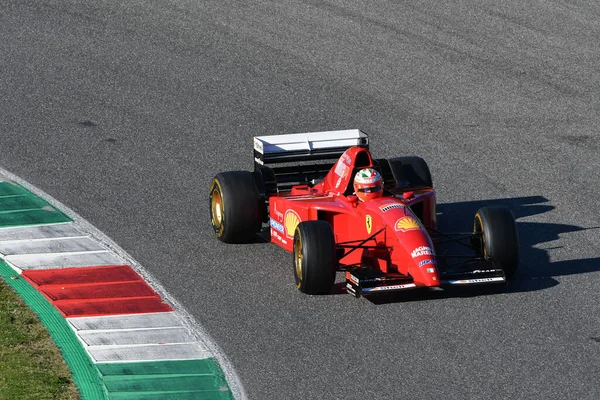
point(499, 240)
point(410, 172)
point(236, 209)
point(314, 257)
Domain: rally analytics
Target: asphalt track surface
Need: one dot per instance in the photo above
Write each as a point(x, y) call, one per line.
point(124, 111)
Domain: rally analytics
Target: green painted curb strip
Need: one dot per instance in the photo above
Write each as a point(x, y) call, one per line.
point(85, 375)
point(12, 203)
point(180, 379)
point(163, 383)
point(19, 207)
point(205, 366)
point(182, 395)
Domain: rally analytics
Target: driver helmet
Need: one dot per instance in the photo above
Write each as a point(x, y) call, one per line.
point(368, 184)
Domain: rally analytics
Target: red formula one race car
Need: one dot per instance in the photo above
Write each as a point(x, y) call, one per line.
point(375, 219)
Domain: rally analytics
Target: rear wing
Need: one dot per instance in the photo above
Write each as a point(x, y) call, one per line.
point(290, 153)
point(306, 146)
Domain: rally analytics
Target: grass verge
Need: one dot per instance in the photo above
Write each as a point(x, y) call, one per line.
point(31, 367)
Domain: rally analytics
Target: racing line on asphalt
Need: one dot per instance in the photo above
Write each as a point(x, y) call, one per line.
point(118, 335)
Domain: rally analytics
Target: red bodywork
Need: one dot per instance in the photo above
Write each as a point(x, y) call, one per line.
point(391, 238)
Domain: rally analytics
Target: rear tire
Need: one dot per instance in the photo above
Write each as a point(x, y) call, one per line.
point(408, 172)
point(236, 209)
point(499, 237)
point(314, 257)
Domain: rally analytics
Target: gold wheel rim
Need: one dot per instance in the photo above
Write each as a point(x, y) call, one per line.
point(217, 208)
point(298, 258)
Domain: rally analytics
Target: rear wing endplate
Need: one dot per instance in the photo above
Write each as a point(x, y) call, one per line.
point(306, 146)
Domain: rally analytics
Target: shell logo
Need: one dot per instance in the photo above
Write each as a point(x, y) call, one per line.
point(407, 224)
point(291, 221)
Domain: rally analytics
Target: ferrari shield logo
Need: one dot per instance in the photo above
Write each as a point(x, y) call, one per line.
point(369, 222)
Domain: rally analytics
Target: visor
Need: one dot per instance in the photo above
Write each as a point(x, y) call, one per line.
point(372, 189)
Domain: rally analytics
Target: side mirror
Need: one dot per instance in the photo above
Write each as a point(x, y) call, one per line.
point(353, 199)
point(408, 195)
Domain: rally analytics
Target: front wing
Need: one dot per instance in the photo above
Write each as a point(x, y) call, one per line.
point(363, 282)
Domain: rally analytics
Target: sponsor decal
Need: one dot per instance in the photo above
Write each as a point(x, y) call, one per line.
point(258, 146)
point(342, 171)
point(431, 270)
point(369, 223)
point(388, 207)
point(278, 213)
point(278, 236)
point(390, 287)
point(407, 224)
point(276, 225)
point(291, 221)
point(367, 280)
point(482, 271)
point(422, 251)
point(425, 262)
point(478, 280)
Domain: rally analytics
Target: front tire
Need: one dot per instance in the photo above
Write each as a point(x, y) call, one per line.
point(499, 239)
point(314, 257)
point(236, 209)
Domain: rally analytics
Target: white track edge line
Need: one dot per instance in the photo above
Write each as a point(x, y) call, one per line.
point(47, 239)
point(133, 329)
point(141, 345)
point(56, 254)
point(4, 172)
point(143, 361)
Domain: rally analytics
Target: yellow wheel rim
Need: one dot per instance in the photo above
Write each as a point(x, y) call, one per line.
point(298, 257)
point(217, 208)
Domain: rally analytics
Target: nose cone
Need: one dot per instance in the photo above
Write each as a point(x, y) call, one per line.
point(413, 252)
point(423, 266)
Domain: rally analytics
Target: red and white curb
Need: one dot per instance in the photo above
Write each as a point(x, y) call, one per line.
point(125, 314)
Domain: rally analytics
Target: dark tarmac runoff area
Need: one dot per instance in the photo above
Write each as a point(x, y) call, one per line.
point(124, 111)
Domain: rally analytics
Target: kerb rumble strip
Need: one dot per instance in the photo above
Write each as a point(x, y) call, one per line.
point(118, 335)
